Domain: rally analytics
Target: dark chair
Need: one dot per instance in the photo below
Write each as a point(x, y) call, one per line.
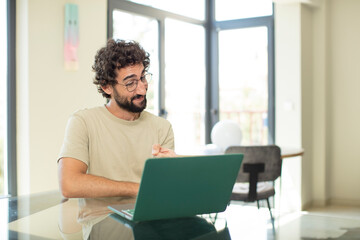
point(261, 166)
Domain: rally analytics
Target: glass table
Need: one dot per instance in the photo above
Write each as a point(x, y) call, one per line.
point(49, 216)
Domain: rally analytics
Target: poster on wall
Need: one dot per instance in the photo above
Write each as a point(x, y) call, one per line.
point(71, 41)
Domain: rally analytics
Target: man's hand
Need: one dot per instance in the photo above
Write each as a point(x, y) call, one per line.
point(158, 151)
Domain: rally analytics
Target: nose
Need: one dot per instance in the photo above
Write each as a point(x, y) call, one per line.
point(141, 88)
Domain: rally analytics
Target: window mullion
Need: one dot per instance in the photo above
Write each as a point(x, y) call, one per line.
point(162, 109)
point(11, 98)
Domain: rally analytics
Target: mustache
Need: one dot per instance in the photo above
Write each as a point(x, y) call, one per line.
point(137, 96)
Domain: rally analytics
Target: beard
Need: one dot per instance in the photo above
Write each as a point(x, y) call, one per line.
point(125, 104)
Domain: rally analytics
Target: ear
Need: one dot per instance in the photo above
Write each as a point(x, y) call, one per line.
point(107, 89)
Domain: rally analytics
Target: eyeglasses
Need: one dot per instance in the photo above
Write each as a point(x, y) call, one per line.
point(132, 83)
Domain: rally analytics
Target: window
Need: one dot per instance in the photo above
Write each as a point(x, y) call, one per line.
point(246, 67)
point(206, 70)
point(185, 84)
point(238, 9)
point(188, 8)
point(243, 81)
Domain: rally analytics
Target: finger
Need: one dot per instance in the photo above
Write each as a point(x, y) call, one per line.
point(166, 153)
point(155, 149)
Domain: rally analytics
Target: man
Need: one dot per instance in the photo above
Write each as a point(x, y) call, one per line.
point(105, 147)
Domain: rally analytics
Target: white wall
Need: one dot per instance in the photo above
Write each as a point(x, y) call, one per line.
point(321, 131)
point(46, 93)
point(288, 98)
point(307, 100)
point(317, 56)
point(344, 101)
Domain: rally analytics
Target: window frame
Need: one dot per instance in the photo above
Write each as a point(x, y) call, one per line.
point(11, 99)
point(268, 22)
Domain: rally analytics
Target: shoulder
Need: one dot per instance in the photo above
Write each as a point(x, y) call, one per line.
point(87, 114)
point(146, 116)
point(88, 111)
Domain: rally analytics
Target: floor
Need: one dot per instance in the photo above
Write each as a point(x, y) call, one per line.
point(332, 222)
point(340, 222)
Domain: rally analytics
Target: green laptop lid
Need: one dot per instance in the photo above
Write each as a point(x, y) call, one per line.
point(186, 186)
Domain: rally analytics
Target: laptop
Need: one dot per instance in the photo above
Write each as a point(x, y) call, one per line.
point(183, 186)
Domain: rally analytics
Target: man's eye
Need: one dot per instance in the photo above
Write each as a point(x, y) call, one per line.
point(130, 83)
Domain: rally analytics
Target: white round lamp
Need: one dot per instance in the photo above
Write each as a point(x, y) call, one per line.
point(226, 133)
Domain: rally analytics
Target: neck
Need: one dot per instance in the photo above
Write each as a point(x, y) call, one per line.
point(120, 112)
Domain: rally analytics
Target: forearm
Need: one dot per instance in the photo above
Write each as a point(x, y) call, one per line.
point(76, 183)
point(91, 186)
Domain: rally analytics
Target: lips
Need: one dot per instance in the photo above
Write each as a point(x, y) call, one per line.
point(138, 97)
point(138, 100)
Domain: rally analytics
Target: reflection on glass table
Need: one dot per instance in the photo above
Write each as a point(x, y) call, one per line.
point(48, 216)
point(91, 219)
point(116, 227)
point(96, 222)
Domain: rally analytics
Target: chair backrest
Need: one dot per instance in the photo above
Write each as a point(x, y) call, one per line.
point(270, 155)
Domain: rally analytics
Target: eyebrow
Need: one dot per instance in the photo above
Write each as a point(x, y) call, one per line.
point(132, 75)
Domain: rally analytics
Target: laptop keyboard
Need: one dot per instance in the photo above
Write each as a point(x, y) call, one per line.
point(130, 211)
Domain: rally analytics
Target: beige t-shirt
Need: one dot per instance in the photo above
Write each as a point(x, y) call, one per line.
point(112, 147)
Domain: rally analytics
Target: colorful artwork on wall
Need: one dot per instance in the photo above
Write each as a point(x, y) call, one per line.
point(71, 42)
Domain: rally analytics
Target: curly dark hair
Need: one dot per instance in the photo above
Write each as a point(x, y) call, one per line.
point(115, 55)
